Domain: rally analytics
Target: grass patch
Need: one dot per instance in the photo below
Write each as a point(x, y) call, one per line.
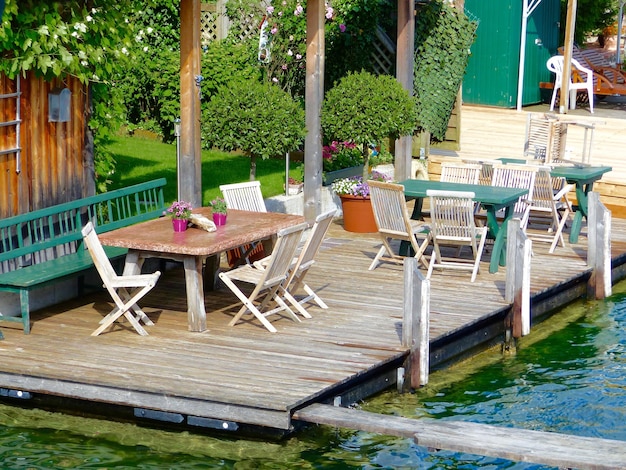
point(139, 159)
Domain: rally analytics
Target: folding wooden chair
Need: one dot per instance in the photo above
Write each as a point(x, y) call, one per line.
point(548, 209)
point(393, 222)
point(453, 172)
point(125, 291)
point(245, 196)
point(517, 176)
point(266, 282)
point(452, 224)
point(300, 267)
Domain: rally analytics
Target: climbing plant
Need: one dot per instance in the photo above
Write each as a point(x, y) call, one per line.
point(443, 36)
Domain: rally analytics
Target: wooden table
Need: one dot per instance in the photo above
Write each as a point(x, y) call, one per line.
point(583, 177)
point(157, 239)
point(491, 198)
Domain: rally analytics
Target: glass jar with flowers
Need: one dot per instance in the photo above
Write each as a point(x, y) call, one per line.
point(219, 209)
point(180, 212)
point(355, 201)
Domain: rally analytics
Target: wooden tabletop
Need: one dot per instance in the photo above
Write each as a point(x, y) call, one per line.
point(242, 227)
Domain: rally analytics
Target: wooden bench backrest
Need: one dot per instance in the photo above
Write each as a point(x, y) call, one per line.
point(56, 230)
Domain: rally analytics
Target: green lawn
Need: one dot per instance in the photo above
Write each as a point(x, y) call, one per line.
point(140, 159)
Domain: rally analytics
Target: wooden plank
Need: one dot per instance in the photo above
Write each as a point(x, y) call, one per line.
point(560, 450)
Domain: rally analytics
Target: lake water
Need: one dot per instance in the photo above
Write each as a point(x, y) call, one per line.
point(567, 376)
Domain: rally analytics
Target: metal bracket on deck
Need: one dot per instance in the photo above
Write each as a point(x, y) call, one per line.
point(212, 423)
point(337, 401)
point(7, 392)
point(158, 415)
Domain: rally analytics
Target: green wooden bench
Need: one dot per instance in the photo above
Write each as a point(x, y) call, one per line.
point(45, 245)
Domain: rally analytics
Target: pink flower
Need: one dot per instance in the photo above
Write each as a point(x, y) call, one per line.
point(329, 13)
point(298, 10)
point(284, 67)
point(270, 10)
point(274, 30)
point(298, 56)
point(342, 28)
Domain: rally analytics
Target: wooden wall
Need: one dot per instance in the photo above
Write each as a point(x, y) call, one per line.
point(55, 166)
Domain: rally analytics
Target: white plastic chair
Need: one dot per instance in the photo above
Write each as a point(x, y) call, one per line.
point(125, 291)
point(266, 282)
point(577, 81)
point(452, 224)
point(393, 222)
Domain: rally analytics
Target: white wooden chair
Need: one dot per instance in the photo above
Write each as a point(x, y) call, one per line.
point(300, 267)
point(517, 176)
point(548, 209)
point(453, 172)
point(125, 291)
point(266, 282)
point(245, 196)
point(394, 222)
point(545, 138)
point(452, 224)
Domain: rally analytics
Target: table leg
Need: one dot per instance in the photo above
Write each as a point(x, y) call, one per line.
point(196, 312)
point(406, 249)
point(582, 192)
point(498, 256)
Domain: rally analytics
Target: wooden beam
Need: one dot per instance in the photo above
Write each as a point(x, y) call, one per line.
point(314, 94)
point(416, 322)
point(190, 177)
point(548, 448)
point(568, 45)
point(404, 73)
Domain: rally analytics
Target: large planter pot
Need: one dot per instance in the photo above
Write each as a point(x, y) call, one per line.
point(331, 176)
point(358, 215)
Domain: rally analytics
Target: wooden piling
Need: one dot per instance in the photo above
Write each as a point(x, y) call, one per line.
point(517, 291)
point(599, 248)
point(416, 322)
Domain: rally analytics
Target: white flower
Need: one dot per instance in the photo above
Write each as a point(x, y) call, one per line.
point(84, 63)
point(290, 52)
point(149, 30)
point(124, 51)
point(82, 27)
point(138, 38)
point(145, 48)
point(75, 34)
point(82, 55)
point(89, 18)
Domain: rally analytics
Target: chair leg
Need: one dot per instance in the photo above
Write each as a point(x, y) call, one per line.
point(295, 303)
point(378, 257)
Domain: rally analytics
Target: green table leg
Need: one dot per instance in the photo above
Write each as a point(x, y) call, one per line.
point(498, 256)
point(582, 202)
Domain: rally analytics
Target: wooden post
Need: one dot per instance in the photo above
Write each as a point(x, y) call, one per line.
point(190, 80)
point(416, 322)
point(599, 248)
point(568, 45)
point(314, 93)
point(404, 73)
point(517, 289)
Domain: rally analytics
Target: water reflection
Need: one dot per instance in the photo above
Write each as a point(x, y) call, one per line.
point(570, 380)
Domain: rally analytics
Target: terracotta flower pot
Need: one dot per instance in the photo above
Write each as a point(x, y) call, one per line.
point(358, 215)
point(179, 225)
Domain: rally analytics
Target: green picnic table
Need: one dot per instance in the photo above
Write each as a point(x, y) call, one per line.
point(491, 198)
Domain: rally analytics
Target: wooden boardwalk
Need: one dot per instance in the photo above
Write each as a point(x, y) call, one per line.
point(243, 376)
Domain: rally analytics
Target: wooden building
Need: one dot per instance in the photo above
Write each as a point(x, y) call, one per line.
point(46, 155)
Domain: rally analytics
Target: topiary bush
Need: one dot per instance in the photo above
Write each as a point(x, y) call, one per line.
point(366, 109)
point(259, 119)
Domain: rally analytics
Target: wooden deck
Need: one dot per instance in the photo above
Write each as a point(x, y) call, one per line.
point(238, 377)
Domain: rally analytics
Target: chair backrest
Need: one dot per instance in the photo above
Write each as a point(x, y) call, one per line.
point(516, 176)
point(594, 60)
point(284, 251)
point(390, 209)
point(452, 215)
point(555, 65)
point(545, 137)
point(543, 190)
point(453, 172)
point(244, 196)
point(98, 255)
point(312, 244)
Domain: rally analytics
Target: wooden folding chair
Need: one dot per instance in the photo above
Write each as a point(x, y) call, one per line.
point(452, 224)
point(393, 222)
point(548, 209)
point(245, 196)
point(266, 282)
point(125, 291)
point(517, 176)
point(453, 172)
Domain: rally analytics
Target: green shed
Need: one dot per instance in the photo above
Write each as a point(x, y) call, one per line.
point(492, 77)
